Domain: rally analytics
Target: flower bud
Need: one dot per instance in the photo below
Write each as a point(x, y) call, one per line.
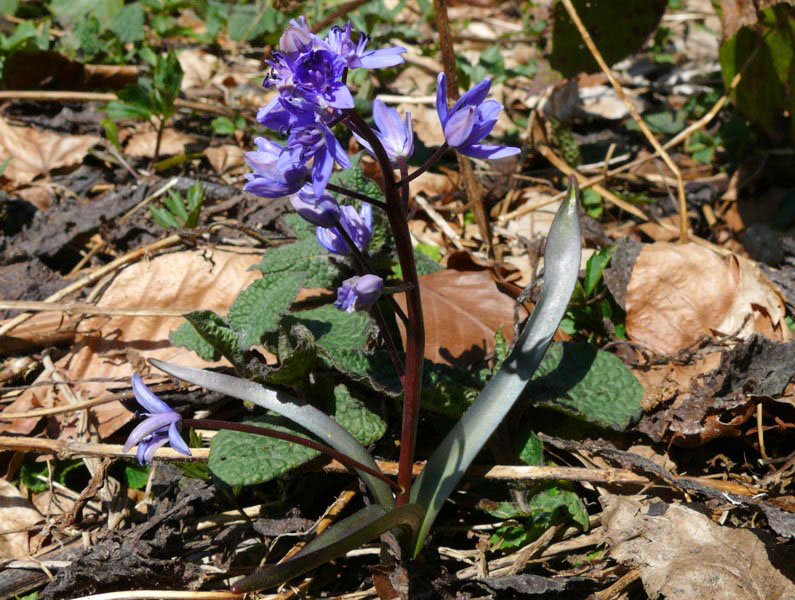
point(323, 211)
point(359, 293)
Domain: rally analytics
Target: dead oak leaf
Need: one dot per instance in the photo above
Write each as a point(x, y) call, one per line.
point(16, 515)
point(678, 293)
point(172, 143)
point(681, 554)
point(33, 152)
point(463, 311)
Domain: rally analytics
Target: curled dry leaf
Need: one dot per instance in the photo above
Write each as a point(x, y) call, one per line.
point(106, 346)
point(681, 554)
point(34, 152)
point(223, 158)
point(679, 293)
point(16, 513)
point(463, 311)
point(143, 144)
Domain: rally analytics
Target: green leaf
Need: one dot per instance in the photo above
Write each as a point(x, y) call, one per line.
point(531, 449)
point(111, 132)
point(765, 55)
point(174, 203)
point(247, 459)
point(596, 264)
point(259, 307)
point(365, 425)
point(163, 217)
point(3, 165)
point(590, 384)
point(8, 7)
point(71, 11)
point(552, 499)
point(618, 29)
point(128, 24)
point(217, 332)
point(453, 456)
point(136, 476)
point(186, 336)
point(124, 110)
point(373, 369)
point(223, 126)
point(334, 328)
point(296, 356)
point(305, 256)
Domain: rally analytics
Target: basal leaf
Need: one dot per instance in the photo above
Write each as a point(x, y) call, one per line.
point(587, 383)
point(186, 336)
point(247, 459)
point(305, 256)
point(364, 424)
point(334, 328)
point(259, 307)
point(217, 332)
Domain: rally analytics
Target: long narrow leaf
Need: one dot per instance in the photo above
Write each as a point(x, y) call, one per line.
point(307, 416)
point(346, 535)
point(457, 451)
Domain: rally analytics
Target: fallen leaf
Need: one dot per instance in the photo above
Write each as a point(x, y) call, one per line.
point(735, 14)
point(463, 311)
point(679, 293)
point(48, 70)
point(190, 280)
point(681, 554)
point(16, 513)
point(223, 158)
point(143, 144)
point(198, 68)
point(34, 152)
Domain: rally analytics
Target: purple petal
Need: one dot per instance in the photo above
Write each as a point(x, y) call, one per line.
point(488, 152)
point(441, 98)
point(389, 123)
point(364, 143)
point(367, 216)
point(331, 241)
point(385, 57)
point(151, 448)
point(147, 398)
point(459, 126)
point(337, 151)
point(474, 96)
point(321, 171)
point(268, 188)
point(176, 440)
point(338, 95)
point(148, 426)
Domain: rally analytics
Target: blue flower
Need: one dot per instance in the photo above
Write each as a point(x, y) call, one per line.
point(318, 143)
point(318, 210)
point(359, 226)
point(395, 135)
point(359, 293)
point(317, 79)
point(339, 41)
point(160, 426)
point(278, 171)
point(470, 120)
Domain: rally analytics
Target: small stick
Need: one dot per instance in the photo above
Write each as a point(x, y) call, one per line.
point(440, 222)
point(67, 96)
point(94, 276)
point(636, 116)
point(78, 308)
point(41, 412)
point(760, 432)
point(166, 595)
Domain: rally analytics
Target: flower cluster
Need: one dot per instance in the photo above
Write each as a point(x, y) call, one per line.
point(309, 74)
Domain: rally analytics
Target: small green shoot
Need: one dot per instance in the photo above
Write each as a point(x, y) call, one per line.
point(179, 213)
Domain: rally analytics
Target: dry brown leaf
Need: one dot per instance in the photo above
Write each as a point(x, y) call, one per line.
point(143, 144)
point(663, 382)
point(679, 293)
point(224, 158)
point(198, 68)
point(16, 512)
point(34, 152)
point(735, 14)
point(682, 555)
point(463, 311)
point(191, 280)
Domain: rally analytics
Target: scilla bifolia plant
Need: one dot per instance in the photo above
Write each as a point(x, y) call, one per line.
point(309, 74)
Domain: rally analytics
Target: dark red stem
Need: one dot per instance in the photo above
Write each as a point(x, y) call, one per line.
point(415, 327)
point(352, 464)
